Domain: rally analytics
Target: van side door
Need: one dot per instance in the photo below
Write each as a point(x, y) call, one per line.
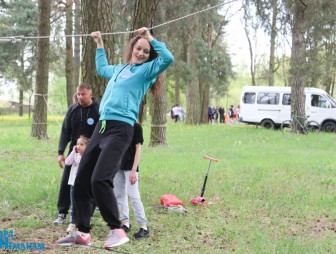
point(317, 107)
point(285, 113)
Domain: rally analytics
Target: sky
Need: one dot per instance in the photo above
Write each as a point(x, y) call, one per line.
point(237, 40)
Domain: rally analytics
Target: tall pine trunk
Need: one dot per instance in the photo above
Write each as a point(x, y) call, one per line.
point(144, 15)
point(159, 119)
point(39, 125)
point(298, 62)
point(97, 16)
point(193, 93)
point(271, 68)
point(78, 30)
point(69, 63)
point(205, 85)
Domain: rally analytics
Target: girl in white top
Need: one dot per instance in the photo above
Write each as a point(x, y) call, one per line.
point(73, 160)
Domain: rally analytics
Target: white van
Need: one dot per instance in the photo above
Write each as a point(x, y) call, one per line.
point(269, 106)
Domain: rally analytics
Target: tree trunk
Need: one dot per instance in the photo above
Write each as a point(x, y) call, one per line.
point(193, 95)
point(21, 81)
point(39, 125)
point(193, 106)
point(77, 43)
point(205, 103)
point(252, 70)
point(177, 87)
point(69, 64)
point(97, 16)
point(21, 103)
point(144, 16)
point(159, 120)
point(272, 69)
point(298, 62)
point(205, 89)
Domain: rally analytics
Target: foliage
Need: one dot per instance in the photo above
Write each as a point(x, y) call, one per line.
point(17, 58)
point(268, 203)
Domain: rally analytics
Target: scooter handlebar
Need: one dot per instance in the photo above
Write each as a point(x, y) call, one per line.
point(210, 158)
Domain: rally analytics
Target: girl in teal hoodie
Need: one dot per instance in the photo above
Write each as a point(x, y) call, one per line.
point(128, 83)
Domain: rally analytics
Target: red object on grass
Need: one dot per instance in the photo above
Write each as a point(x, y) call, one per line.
point(170, 200)
point(198, 200)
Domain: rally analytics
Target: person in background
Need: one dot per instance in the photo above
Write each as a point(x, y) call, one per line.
point(221, 112)
point(119, 109)
point(182, 113)
point(126, 184)
point(214, 115)
point(237, 112)
point(209, 114)
point(80, 119)
point(176, 112)
point(73, 160)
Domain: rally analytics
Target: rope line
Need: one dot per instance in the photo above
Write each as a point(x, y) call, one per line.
point(22, 37)
point(158, 125)
point(45, 100)
point(30, 208)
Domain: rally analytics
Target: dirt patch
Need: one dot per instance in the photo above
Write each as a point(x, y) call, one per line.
point(46, 235)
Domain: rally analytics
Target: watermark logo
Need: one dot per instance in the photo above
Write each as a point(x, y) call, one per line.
point(6, 238)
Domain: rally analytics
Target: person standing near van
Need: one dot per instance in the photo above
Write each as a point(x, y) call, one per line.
point(231, 112)
point(221, 112)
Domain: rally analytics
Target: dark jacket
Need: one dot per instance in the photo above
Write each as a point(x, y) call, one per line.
point(128, 158)
point(78, 121)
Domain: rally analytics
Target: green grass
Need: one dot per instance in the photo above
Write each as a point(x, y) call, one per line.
point(277, 192)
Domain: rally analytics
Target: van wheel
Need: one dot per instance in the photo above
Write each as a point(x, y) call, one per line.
point(329, 126)
point(267, 124)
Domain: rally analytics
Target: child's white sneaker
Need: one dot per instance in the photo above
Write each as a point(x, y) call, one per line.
point(71, 228)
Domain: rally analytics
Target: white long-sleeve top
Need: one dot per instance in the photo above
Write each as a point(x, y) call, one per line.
point(73, 160)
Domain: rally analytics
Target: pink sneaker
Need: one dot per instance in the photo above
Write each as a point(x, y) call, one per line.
point(115, 238)
point(75, 238)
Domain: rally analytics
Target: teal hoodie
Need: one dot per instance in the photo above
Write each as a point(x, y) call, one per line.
point(129, 83)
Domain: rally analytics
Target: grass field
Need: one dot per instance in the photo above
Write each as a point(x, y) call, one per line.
point(276, 192)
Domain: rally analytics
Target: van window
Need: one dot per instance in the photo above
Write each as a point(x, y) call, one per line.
point(268, 98)
point(318, 101)
point(249, 98)
point(286, 99)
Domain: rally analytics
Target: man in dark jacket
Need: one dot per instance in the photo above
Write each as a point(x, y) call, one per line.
point(80, 119)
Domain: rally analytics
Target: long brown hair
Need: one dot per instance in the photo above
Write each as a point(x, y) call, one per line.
point(156, 88)
point(128, 52)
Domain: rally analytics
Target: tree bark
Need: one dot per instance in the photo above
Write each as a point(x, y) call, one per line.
point(205, 87)
point(144, 16)
point(97, 16)
point(39, 125)
point(271, 68)
point(77, 43)
point(159, 119)
point(298, 62)
point(193, 94)
point(69, 63)
point(21, 103)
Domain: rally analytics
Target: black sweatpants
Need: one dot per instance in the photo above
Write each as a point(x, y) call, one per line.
point(63, 203)
point(97, 168)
